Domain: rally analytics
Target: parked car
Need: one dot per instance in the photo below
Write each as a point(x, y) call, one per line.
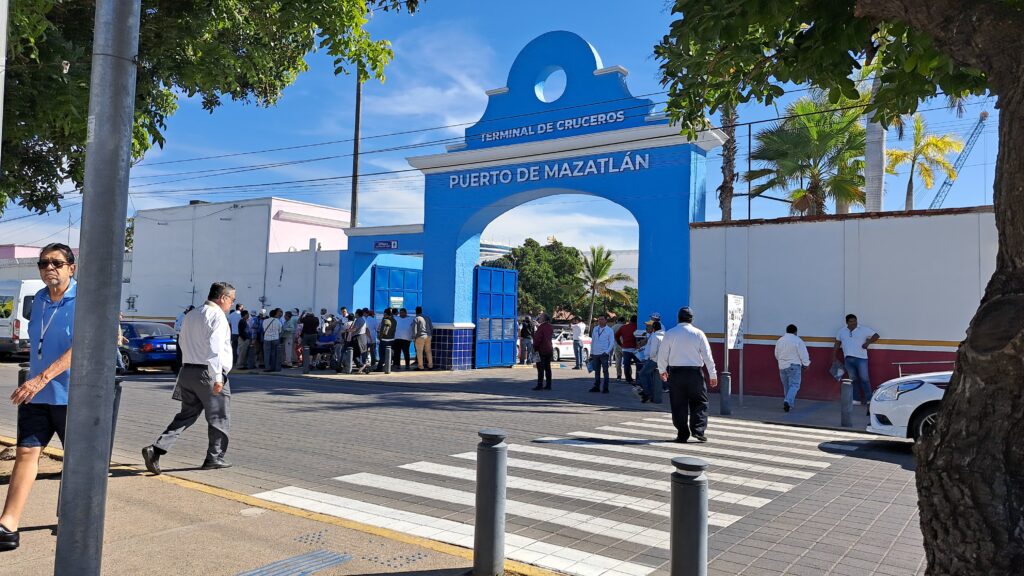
point(908, 407)
point(562, 345)
point(16, 297)
point(149, 344)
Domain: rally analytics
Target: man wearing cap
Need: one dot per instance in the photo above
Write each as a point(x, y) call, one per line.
point(648, 374)
point(684, 350)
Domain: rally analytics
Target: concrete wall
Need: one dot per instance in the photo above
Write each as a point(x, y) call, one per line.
point(915, 278)
point(290, 280)
point(325, 224)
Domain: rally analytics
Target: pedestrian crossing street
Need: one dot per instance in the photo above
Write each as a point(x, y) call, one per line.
point(591, 503)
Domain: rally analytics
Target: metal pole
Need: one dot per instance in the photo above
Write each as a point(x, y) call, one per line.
point(3, 64)
point(346, 360)
point(741, 375)
point(353, 218)
point(846, 403)
point(316, 264)
point(750, 149)
point(91, 397)
point(725, 377)
point(489, 535)
point(689, 520)
point(387, 358)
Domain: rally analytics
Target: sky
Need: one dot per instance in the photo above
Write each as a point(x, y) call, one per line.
point(446, 57)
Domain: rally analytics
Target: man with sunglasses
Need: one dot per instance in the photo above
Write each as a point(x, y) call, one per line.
point(42, 400)
point(202, 382)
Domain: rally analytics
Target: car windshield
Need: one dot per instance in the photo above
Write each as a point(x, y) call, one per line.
point(147, 329)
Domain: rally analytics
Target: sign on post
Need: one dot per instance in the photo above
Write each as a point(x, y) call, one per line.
point(733, 322)
point(385, 245)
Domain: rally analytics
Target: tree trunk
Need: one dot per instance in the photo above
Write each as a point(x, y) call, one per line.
point(970, 473)
point(590, 317)
point(909, 204)
point(725, 190)
point(874, 156)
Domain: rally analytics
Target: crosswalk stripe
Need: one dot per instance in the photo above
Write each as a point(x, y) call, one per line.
point(517, 547)
point(706, 449)
point(758, 437)
point(774, 427)
point(774, 433)
point(725, 442)
point(711, 460)
point(576, 520)
point(629, 481)
point(641, 465)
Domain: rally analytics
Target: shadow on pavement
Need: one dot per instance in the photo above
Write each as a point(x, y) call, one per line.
point(892, 451)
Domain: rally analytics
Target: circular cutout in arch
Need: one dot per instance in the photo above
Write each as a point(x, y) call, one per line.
point(550, 84)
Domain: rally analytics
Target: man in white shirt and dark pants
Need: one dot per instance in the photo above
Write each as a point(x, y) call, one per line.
point(602, 341)
point(579, 328)
point(202, 383)
point(683, 351)
point(791, 354)
point(854, 340)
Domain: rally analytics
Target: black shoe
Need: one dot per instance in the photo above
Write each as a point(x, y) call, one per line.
point(537, 387)
point(152, 460)
point(785, 406)
point(595, 389)
point(604, 390)
point(215, 464)
point(680, 439)
point(644, 398)
point(700, 438)
point(547, 387)
point(9, 540)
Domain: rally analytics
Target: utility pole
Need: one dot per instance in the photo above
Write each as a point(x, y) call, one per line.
point(91, 393)
point(353, 218)
point(4, 8)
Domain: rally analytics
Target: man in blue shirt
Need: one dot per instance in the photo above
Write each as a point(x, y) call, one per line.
point(42, 400)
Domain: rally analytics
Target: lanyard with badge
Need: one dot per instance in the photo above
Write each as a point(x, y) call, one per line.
point(46, 326)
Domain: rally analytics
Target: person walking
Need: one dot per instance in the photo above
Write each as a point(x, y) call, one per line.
point(233, 318)
point(526, 330)
point(791, 354)
point(578, 328)
point(854, 340)
point(309, 332)
point(617, 350)
point(601, 343)
point(385, 337)
point(42, 400)
point(291, 324)
point(177, 334)
point(423, 330)
point(651, 385)
point(682, 353)
point(371, 334)
point(625, 338)
point(403, 337)
point(203, 383)
point(246, 360)
point(544, 350)
point(271, 340)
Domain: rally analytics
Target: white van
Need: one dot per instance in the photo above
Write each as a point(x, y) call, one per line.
point(16, 298)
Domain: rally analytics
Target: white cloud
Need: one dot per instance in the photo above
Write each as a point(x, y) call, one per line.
point(576, 221)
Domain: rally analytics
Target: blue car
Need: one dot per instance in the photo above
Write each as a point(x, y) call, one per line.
point(149, 344)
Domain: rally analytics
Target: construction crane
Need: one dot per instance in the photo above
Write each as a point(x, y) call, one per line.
point(940, 196)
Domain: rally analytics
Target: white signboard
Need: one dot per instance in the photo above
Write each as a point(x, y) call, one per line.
point(733, 322)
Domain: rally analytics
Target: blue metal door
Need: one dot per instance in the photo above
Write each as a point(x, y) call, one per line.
point(496, 295)
point(396, 288)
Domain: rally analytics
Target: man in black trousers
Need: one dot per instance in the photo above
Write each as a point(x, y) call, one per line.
point(683, 352)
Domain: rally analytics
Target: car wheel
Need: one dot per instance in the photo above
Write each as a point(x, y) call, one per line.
point(924, 423)
point(558, 355)
point(586, 355)
point(127, 361)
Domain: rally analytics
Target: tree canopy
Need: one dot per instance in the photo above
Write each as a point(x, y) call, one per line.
point(241, 50)
point(548, 275)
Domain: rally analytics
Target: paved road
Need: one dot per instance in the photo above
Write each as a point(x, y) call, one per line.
point(588, 475)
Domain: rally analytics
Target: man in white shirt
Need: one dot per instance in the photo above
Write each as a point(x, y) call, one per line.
point(602, 342)
point(854, 340)
point(272, 326)
point(683, 351)
point(371, 333)
point(403, 337)
point(233, 319)
point(791, 354)
point(202, 383)
point(579, 328)
point(648, 374)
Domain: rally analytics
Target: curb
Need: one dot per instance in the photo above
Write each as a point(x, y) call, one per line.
point(512, 567)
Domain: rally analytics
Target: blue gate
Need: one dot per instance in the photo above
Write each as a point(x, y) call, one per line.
point(496, 294)
point(396, 288)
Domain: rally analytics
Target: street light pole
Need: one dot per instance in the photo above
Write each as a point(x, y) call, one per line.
point(105, 200)
point(353, 217)
point(3, 64)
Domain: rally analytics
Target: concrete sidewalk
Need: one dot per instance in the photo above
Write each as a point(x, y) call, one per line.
point(165, 525)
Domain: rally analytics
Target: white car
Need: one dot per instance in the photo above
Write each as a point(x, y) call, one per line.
point(908, 407)
point(562, 346)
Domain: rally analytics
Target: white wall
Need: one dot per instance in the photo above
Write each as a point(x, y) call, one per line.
point(910, 277)
point(290, 281)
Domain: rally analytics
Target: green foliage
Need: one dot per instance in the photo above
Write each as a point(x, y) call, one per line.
point(813, 155)
point(926, 156)
point(597, 279)
point(733, 51)
point(243, 50)
point(548, 275)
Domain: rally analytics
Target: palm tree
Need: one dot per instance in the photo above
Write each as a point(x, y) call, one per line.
point(725, 189)
point(597, 278)
point(926, 155)
point(815, 154)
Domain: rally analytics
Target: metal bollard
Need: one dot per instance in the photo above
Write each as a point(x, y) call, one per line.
point(387, 356)
point(846, 403)
point(117, 407)
point(689, 539)
point(346, 360)
point(489, 534)
point(725, 394)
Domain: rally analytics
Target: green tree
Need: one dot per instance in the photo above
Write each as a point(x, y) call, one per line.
point(548, 275)
point(243, 50)
point(813, 155)
point(969, 472)
point(597, 278)
point(926, 156)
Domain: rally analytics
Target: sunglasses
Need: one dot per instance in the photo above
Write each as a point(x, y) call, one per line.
point(57, 264)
